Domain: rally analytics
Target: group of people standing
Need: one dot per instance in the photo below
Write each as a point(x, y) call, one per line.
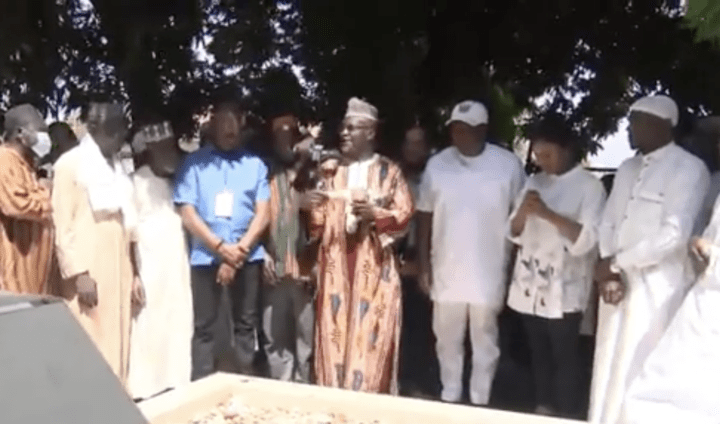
point(80, 224)
point(318, 248)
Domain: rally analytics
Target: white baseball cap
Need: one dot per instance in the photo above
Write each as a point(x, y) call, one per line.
point(470, 112)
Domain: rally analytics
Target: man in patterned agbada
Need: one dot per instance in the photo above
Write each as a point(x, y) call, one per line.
point(358, 306)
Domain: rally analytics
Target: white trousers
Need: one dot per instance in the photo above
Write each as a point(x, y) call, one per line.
point(450, 322)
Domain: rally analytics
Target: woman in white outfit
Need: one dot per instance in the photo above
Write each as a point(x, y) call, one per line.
point(555, 227)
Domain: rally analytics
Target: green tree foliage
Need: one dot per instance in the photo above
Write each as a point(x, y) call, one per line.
point(704, 17)
point(412, 58)
point(589, 58)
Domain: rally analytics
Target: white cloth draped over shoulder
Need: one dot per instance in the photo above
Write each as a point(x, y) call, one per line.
point(680, 380)
point(160, 343)
point(646, 228)
point(95, 241)
point(109, 188)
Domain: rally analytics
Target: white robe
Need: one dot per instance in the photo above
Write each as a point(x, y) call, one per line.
point(680, 381)
point(160, 344)
point(646, 228)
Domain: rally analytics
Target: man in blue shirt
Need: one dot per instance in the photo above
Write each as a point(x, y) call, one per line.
point(222, 191)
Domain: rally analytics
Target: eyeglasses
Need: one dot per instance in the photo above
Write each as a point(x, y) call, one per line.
point(351, 128)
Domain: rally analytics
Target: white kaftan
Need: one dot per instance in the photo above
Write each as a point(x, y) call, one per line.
point(646, 227)
point(162, 330)
point(679, 381)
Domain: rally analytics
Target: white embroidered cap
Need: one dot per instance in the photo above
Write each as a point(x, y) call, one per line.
point(151, 134)
point(661, 106)
point(470, 112)
point(362, 109)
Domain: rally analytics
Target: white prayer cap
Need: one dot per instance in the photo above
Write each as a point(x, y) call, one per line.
point(151, 134)
point(361, 109)
point(661, 106)
point(470, 112)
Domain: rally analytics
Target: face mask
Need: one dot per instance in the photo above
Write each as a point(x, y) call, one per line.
point(43, 145)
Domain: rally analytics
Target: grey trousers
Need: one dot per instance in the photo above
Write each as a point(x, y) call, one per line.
point(245, 308)
point(288, 324)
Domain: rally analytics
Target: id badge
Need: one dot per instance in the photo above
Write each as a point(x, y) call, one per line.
point(224, 204)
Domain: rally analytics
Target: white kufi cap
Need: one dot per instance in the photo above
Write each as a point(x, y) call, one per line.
point(470, 112)
point(661, 106)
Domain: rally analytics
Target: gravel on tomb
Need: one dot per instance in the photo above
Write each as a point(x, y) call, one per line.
point(237, 412)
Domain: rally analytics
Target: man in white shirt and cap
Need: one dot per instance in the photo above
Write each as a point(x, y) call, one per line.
point(644, 235)
point(466, 195)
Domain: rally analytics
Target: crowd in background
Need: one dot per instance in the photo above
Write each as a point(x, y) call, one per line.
point(342, 265)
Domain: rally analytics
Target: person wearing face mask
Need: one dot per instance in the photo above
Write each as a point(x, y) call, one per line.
point(95, 220)
point(26, 233)
point(159, 359)
point(555, 226)
point(288, 315)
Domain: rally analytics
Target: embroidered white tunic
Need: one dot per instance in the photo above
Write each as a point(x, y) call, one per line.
point(646, 227)
point(552, 274)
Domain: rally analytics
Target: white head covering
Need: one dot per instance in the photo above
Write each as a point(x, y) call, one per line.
point(361, 109)
point(151, 134)
point(470, 112)
point(661, 106)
